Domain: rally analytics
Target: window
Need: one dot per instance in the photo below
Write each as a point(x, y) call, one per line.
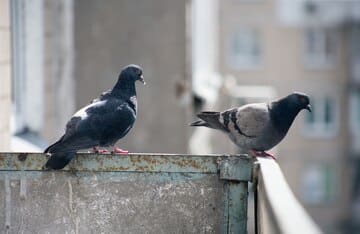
point(355, 53)
point(245, 48)
point(322, 121)
point(355, 113)
point(320, 47)
point(318, 184)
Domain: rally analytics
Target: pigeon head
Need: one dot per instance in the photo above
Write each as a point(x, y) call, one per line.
point(132, 73)
point(125, 86)
point(284, 110)
point(299, 100)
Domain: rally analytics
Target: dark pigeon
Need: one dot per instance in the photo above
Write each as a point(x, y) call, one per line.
point(101, 123)
point(257, 127)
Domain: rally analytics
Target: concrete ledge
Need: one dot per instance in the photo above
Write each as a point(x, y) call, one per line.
point(133, 162)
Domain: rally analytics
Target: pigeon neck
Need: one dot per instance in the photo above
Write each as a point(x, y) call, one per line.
point(125, 87)
point(282, 115)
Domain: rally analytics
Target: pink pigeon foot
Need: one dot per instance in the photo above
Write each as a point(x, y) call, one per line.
point(264, 154)
point(100, 151)
point(117, 150)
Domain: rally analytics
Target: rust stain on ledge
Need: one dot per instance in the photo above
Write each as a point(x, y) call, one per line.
point(188, 163)
point(2, 158)
point(22, 156)
point(114, 163)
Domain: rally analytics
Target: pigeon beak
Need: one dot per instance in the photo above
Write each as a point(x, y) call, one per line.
point(308, 107)
point(142, 80)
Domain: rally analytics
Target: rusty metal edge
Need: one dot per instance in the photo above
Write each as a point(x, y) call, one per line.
point(135, 162)
point(235, 169)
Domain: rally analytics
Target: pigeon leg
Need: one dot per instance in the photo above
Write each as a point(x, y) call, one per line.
point(117, 150)
point(99, 151)
point(255, 153)
point(266, 154)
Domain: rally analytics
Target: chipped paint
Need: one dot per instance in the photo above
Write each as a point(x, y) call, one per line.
point(22, 156)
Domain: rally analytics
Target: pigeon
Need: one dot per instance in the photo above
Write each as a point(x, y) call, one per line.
point(101, 123)
point(257, 127)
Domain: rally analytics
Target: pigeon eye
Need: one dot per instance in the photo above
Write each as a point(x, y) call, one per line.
point(302, 99)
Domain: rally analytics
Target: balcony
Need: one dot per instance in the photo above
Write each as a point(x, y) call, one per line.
point(318, 12)
point(146, 193)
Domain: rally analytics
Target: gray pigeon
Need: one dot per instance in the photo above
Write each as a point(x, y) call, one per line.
point(259, 126)
point(101, 123)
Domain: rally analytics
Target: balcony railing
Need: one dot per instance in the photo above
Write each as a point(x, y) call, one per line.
point(145, 193)
point(277, 209)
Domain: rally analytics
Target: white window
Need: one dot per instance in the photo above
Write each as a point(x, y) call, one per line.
point(355, 113)
point(320, 47)
point(245, 48)
point(323, 120)
point(318, 184)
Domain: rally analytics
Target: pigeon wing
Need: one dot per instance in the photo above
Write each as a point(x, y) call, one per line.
point(99, 123)
point(250, 120)
point(105, 95)
point(72, 140)
point(109, 120)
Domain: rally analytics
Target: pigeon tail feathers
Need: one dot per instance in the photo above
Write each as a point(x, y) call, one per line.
point(200, 123)
point(50, 148)
point(209, 119)
point(58, 161)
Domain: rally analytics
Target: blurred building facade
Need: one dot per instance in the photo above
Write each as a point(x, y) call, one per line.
point(65, 53)
point(312, 47)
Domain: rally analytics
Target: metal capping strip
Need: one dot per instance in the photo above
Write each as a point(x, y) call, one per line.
point(235, 169)
point(127, 163)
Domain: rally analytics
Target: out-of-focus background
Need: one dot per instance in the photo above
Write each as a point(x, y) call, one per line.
point(57, 55)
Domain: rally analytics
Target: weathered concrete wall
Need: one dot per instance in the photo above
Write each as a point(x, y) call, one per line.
point(136, 193)
point(61, 202)
point(5, 68)
point(111, 34)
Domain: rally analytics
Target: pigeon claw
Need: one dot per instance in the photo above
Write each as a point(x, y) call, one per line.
point(264, 154)
point(100, 151)
point(119, 151)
